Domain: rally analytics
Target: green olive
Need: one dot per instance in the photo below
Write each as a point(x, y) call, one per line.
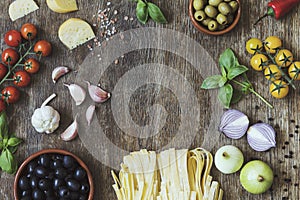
point(199, 4)
point(212, 25)
point(214, 2)
point(205, 21)
point(221, 27)
point(234, 6)
point(227, 1)
point(230, 19)
point(200, 15)
point(221, 19)
point(224, 8)
point(210, 11)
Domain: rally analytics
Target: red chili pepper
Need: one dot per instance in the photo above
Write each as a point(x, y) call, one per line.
point(279, 8)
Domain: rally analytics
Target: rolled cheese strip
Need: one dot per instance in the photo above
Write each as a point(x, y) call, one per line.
point(62, 6)
point(20, 8)
point(75, 32)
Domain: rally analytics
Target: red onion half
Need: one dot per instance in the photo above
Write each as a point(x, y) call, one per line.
point(261, 137)
point(234, 124)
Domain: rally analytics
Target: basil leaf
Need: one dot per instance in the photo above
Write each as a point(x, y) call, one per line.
point(223, 70)
point(212, 82)
point(7, 162)
point(3, 125)
point(236, 97)
point(14, 141)
point(236, 71)
point(156, 14)
point(225, 95)
point(142, 13)
point(12, 149)
point(227, 59)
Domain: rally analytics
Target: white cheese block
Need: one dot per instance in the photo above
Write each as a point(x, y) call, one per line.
point(75, 32)
point(62, 6)
point(20, 8)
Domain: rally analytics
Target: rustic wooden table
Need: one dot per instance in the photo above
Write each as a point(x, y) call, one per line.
point(284, 117)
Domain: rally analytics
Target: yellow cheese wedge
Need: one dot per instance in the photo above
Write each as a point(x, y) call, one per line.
point(20, 8)
point(75, 32)
point(62, 6)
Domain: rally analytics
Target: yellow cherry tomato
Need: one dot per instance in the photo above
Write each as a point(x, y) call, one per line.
point(272, 72)
point(253, 45)
point(294, 71)
point(279, 89)
point(259, 62)
point(272, 43)
point(284, 58)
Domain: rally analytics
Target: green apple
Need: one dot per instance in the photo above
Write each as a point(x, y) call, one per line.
point(229, 159)
point(256, 177)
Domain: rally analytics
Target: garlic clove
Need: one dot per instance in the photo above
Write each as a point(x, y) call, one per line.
point(97, 94)
point(234, 124)
point(261, 137)
point(71, 132)
point(59, 72)
point(77, 93)
point(89, 114)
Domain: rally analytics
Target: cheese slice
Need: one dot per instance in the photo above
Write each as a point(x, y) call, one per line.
point(20, 8)
point(75, 32)
point(62, 6)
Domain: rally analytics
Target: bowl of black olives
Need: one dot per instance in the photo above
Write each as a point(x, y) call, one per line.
point(53, 174)
point(214, 17)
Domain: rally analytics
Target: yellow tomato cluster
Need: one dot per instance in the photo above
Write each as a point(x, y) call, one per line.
point(277, 63)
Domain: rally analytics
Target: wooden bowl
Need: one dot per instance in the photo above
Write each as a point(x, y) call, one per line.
point(52, 151)
point(205, 30)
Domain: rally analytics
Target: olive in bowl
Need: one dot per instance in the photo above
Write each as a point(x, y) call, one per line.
point(214, 17)
point(53, 174)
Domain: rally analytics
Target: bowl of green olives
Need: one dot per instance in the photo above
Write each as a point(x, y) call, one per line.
point(214, 17)
point(53, 174)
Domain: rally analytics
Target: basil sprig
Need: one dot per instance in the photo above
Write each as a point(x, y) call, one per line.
point(145, 9)
point(8, 146)
point(230, 70)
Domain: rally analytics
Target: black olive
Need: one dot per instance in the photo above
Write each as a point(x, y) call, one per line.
point(26, 198)
point(51, 198)
point(68, 162)
point(61, 173)
point(73, 185)
point(34, 181)
point(31, 166)
point(85, 187)
point(41, 171)
point(38, 194)
point(26, 193)
point(69, 176)
point(44, 160)
point(45, 184)
point(56, 164)
point(24, 183)
point(79, 173)
point(74, 195)
point(83, 197)
point(49, 193)
point(58, 157)
point(57, 183)
point(63, 191)
point(50, 175)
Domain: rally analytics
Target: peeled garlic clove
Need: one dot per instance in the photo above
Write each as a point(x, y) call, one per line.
point(59, 72)
point(97, 94)
point(234, 124)
point(89, 114)
point(77, 93)
point(261, 137)
point(71, 132)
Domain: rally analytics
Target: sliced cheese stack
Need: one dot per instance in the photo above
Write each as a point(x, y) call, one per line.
point(75, 32)
point(62, 6)
point(170, 175)
point(20, 8)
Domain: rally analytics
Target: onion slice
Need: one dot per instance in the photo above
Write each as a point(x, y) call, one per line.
point(261, 137)
point(234, 124)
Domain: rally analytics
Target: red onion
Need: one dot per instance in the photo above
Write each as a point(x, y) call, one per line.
point(261, 137)
point(234, 124)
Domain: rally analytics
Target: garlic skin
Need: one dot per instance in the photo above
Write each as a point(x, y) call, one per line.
point(71, 132)
point(89, 114)
point(234, 124)
point(261, 137)
point(97, 94)
point(59, 72)
point(77, 93)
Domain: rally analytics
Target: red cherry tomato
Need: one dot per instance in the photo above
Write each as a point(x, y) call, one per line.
point(2, 105)
point(31, 65)
point(13, 38)
point(10, 56)
point(21, 79)
point(3, 71)
point(43, 48)
point(10, 94)
point(28, 31)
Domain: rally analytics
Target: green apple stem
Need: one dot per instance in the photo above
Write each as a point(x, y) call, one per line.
point(225, 154)
point(260, 178)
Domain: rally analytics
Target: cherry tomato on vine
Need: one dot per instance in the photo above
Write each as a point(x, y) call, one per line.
point(10, 94)
point(13, 38)
point(284, 58)
point(294, 70)
point(3, 71)
point(272, 43)
point(28, 31)
point(43, 48)
point(279, 89)
point(2, 105)
point(10, 56)
point(272, 72)
point(259, 62)
point(21, 78)
point(31, 65)
point(253, 45)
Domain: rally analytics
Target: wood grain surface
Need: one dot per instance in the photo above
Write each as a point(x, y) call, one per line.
point(284, 117)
